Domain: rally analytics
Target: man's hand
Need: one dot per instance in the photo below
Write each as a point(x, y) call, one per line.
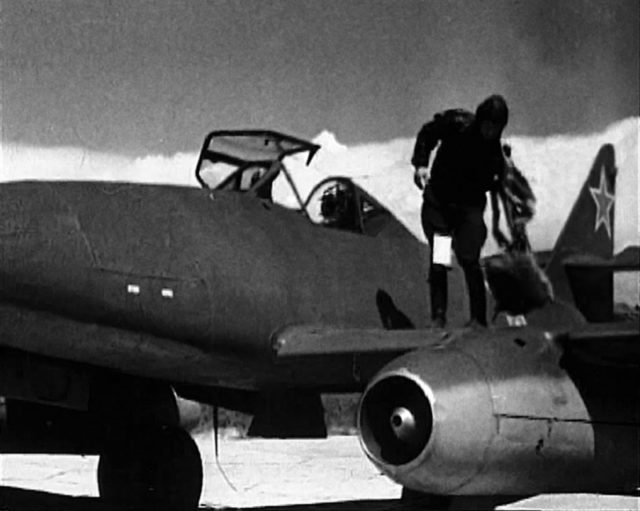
point(500, 238)
point(421, 176)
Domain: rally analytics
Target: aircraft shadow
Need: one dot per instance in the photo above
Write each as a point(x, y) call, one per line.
point(18, 499)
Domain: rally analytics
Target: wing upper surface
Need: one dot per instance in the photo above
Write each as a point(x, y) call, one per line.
point(610, 343)
point(311, 340)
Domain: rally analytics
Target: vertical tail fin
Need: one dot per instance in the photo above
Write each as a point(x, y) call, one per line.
point(588, 236)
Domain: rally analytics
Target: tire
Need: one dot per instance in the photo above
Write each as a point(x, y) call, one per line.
point(159, 469)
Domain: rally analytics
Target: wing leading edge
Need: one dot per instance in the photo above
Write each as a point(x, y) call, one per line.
point(321, 340)
point(611, 343)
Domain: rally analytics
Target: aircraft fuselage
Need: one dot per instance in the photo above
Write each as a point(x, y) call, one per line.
point(213, 270)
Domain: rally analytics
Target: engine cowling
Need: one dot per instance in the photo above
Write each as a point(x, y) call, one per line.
point(492, 414)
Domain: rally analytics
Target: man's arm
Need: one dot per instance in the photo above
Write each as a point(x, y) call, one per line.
point(428, 137)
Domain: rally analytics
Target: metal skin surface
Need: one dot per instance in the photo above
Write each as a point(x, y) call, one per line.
point(514, 415)
point(214, 271)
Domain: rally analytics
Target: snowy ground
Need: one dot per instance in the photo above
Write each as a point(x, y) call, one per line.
point(279, 475)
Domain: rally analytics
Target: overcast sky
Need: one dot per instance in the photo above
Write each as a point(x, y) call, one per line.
point(147, 77)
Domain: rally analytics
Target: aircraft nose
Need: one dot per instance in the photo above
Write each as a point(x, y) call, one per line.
point(40, 237)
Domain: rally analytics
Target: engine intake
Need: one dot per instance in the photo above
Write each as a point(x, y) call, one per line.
point(493, 414)
point(396, 420)
point(427, 416)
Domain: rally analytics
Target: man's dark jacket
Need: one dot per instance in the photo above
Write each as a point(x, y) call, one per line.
point(466, 166)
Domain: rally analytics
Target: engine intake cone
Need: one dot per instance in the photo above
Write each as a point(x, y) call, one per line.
point(395, 420)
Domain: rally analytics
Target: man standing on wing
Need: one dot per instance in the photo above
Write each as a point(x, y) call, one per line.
point(469, 162)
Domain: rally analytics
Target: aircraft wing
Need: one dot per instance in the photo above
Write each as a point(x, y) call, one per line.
point(615, 344)
point(310, 340)
point(627, 260)
point(609, 344)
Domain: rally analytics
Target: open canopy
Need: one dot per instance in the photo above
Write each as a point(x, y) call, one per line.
point(251, 160)
point(241, 148)
point(248, 160)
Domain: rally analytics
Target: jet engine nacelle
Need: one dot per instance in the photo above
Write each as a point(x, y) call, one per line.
point(481, 414)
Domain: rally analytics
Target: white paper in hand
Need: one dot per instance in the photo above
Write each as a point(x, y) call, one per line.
point(442, 250)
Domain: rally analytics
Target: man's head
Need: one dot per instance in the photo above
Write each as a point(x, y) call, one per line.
point(492, 116)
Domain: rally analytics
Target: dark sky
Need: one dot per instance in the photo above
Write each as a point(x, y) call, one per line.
point(153, 76)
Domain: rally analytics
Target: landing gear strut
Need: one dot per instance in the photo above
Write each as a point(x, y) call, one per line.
point(158, 469)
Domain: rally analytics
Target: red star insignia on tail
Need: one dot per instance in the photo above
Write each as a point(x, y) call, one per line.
point(604, 202)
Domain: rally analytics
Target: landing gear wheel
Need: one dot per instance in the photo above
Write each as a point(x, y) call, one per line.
point(160, 469)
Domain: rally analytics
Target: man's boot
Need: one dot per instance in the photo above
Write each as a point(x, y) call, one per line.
point(477, 296)
point(438, 293)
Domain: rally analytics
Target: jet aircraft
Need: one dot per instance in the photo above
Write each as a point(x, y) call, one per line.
point(116, 299)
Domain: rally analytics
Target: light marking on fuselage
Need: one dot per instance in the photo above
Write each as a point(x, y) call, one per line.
point(133, 289)
point(167, 293)
point(518, 321)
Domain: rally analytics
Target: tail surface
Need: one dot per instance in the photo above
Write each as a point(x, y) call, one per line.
point(576, 266)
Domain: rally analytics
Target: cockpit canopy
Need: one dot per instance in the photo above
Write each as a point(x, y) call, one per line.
point(250, 161)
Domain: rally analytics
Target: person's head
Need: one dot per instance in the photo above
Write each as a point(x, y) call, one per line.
point(492, 116)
